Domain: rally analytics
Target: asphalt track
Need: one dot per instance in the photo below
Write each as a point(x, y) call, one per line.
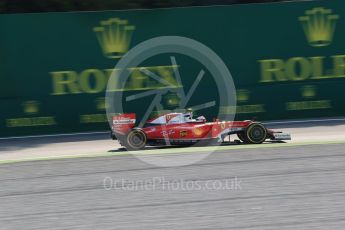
point(297, 185)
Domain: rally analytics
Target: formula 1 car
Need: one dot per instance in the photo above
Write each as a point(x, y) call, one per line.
point(182, 129)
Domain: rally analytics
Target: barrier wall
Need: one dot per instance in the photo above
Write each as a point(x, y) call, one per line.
point(287, 61)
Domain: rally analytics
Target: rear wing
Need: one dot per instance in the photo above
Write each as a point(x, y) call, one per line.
point(123, 123)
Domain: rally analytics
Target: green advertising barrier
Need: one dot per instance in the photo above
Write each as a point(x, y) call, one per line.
point(287, 61)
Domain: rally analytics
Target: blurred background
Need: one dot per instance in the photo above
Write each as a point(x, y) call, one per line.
point(54, 67)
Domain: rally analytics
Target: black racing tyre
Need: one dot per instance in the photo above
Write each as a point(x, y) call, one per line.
point(135, 140)
point(242, 136)
point(256, 133)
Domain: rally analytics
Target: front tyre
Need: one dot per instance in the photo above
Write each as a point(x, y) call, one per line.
point(135, 140)
point(256, 133)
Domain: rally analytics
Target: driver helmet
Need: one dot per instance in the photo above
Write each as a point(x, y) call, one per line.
point(188, 114)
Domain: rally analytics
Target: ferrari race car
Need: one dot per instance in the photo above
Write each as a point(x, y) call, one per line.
point(182, 129)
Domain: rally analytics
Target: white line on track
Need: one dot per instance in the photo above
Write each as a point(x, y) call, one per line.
point(305, 121)
point(55, 135)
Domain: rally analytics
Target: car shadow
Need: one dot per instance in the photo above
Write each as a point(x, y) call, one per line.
point(231, 143)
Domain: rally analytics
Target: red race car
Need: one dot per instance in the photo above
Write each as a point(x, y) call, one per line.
point(182, 129)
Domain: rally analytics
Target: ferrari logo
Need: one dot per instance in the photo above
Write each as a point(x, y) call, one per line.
point(222, 125)
point(183, 133)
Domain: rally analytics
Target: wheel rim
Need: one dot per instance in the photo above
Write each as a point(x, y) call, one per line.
point(257, 134)
point(136, 140)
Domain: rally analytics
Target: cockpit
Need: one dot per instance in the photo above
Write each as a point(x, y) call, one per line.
point(177, 118)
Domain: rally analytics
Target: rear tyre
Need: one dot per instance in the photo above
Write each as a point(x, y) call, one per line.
point(256, 133)
point(135, 140)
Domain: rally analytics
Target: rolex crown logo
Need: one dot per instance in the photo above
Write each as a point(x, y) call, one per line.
point(31, 107)
point(319, 26)
point(114, 36)
point(308, 91)
point(101, 103)
point(243, 95)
